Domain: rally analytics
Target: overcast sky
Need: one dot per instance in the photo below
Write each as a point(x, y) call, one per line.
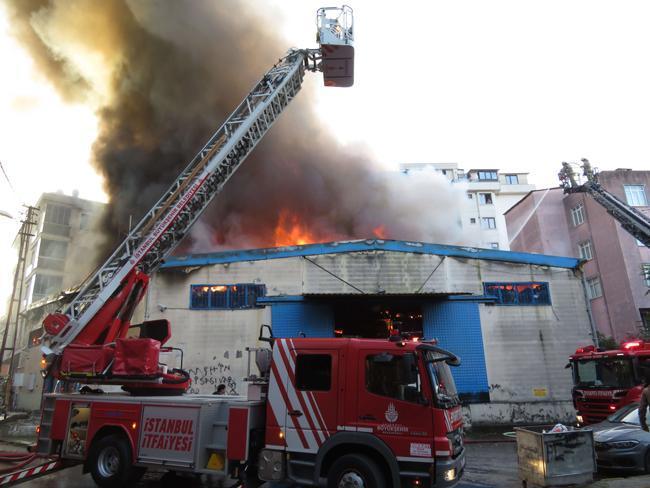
point(515, 85)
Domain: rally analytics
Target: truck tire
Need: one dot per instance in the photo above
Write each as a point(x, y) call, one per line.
point(355, 471)
point(109, 462)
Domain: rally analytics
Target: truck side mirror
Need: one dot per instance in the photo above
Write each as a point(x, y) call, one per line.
point(268, 339)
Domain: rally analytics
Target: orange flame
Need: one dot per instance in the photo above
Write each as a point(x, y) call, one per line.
point(379, 231)
point(290, 232)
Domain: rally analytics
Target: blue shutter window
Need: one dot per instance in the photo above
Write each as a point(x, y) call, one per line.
point(225, 297)
point(529, 293)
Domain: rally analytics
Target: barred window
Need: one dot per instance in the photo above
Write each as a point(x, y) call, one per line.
point(225, 297)
point(529, 293)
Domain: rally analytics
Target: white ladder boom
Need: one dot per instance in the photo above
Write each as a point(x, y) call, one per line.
point(169, 221)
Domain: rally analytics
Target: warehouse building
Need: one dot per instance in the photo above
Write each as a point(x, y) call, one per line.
point(513, 318)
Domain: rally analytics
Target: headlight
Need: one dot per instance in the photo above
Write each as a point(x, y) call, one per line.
point(450, 474)
point(622, 444)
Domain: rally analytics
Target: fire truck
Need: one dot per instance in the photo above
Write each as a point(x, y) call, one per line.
point(341, 412)
point(604, 381)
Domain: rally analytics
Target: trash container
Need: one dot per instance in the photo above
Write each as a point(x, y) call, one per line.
point(555, 458)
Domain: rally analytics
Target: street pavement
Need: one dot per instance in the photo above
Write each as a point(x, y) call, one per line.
point(489, 465)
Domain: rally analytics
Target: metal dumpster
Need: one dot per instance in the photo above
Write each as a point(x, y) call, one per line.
point(555, 459)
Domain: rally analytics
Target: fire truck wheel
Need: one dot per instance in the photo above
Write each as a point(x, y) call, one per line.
point(109, 462)
point(355, 471)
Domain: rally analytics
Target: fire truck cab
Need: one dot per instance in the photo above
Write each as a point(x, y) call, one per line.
point(335, 412)
point(606, 380)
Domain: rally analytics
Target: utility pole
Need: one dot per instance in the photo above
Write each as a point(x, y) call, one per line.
point(24, 234)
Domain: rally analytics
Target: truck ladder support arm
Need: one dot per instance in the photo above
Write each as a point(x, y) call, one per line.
point(632, 220)
point(169, 221)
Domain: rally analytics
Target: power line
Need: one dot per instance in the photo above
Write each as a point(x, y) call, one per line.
point(6, 177)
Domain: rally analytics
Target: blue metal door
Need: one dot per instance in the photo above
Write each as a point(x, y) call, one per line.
point(457, 327)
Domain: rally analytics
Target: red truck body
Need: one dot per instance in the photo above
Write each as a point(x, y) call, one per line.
point(330, 408)
point(605, 381)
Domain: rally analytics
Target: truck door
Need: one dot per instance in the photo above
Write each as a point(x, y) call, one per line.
point(308, 395)
point(391, 403)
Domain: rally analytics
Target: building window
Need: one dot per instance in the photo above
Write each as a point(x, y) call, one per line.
point(225, 297)
point(460, 174)
point(35, 338)
point(646, 273)
point(84, 221)
point(45, 285)
point(494, 245)
point(393, 376)
point(472, 220)
point(512, 179)
point(470, 195)
point(314, 372)
point(488, 223)
point(51, 254)
point(645, 320)
point(57, 220)
point(487, 175)
point(635, 195)
point(584, 248)
point(485, 198)
point(527, 293)
point(594, 290)
point(578, 215)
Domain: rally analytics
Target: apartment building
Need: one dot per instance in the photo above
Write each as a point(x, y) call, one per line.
point(490, 193)
point(616, 266)
point(64, 248)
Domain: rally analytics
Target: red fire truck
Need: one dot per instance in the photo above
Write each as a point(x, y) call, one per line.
point(605, 381)
point(351, 412)
point(345, 412)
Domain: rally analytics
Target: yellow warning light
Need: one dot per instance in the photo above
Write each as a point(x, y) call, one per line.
point(216, 461)
point(134, 425)
point(281, 435)
point(38, 429)
point(43, 363)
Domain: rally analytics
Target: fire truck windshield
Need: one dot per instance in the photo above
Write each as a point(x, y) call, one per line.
point(604, 373)
point(442, 381)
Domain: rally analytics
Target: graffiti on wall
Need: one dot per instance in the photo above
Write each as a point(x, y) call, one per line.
point(206, 378)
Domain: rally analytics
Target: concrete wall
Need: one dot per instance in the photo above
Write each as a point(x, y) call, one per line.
point(526, 347)
point(538, 224)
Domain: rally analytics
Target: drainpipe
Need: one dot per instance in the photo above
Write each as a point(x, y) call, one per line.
point(594, 332)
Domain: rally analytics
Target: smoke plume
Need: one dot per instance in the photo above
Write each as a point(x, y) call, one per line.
point(164, 75)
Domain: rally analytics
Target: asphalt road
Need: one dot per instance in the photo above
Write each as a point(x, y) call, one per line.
point(488, 466)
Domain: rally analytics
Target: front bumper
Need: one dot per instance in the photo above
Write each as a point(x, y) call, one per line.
point(445, 468)
point(622, 459)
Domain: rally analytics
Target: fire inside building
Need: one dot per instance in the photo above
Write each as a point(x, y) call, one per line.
point(512, 317)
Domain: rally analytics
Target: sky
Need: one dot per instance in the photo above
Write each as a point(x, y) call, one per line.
point(514, 85)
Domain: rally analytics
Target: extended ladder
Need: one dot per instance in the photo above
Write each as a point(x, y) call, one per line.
point(168, 222)
point(633, 221)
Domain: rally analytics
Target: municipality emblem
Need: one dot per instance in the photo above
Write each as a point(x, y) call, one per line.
point(391, 413)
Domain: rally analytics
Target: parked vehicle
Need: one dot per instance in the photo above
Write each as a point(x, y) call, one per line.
point(620, 442)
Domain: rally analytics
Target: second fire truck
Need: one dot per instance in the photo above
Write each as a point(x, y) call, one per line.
point(605, 381)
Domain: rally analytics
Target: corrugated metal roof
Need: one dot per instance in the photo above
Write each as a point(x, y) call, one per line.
point(369, 245)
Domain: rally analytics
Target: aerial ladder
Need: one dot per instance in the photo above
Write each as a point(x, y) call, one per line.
point(97, 321)
point(632, 220)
